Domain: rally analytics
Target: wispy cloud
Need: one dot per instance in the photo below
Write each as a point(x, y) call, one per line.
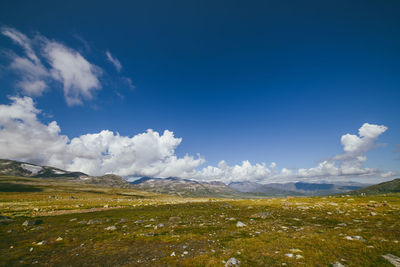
point(34, 75)
point(79, 77)
point(114, 61)
point(46, 63)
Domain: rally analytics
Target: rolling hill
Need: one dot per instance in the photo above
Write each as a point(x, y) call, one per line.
point(382, 188)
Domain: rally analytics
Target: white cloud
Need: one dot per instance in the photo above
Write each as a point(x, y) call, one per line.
point(355, 147)
point(388, 174)
point(22, 40)
point(226, 173)
point(33, 73)
point(114, 61)
point(79, 77)
point(24, 137)
point(349, 164)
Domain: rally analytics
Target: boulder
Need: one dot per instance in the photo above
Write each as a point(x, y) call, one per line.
point(32, 222)
point(232, 262)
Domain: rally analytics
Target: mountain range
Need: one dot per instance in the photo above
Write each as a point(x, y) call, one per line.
point(191, 188)
point(23, 169)
point(297, 188)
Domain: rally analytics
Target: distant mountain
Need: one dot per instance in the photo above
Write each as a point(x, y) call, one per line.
point(252, 187)
point(382, 188)
point(17, 168)
point(297, 188)
point(185, 187)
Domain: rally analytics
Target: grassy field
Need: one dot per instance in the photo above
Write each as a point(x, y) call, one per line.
point(82, 225)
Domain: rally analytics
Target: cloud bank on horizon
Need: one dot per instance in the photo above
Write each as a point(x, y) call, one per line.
point(24, 137)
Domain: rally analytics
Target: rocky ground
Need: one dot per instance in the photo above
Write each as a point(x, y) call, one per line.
point(49, 223)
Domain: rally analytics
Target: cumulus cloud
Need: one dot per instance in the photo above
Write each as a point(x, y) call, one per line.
point(24, 137)
point(79, 77)
point(355, 147)
point(114, 61)
point(224, 172)
point(349, 164)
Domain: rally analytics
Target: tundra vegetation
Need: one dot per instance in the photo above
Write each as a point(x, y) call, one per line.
point(49, 222)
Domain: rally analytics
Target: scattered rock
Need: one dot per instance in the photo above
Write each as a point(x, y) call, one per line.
point(32, 222)
point(289, 255)
point(373, 213)
point(73, 219)
point(298, 257)
point(59, 239)
point(232, 262)
point(261, 215)
point(295, 250)
point(41, 243)
point(174, 219)
point(337, 264)
point(357, 237)
point(160, 225)
point(240, 224)
point(392, 259)
point(111, 228)
point(172, 254)
point(95, 221)
point(225, 205)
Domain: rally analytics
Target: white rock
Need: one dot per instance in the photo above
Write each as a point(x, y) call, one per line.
point(392, 259)
point(337, 264)
point(240, 224)
point(232, 262)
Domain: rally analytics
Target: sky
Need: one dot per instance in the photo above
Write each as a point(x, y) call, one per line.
point(264, 91)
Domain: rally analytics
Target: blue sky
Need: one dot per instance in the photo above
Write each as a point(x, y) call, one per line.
point(263, 81)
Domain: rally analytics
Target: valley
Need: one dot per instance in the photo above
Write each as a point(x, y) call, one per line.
point(49, 222)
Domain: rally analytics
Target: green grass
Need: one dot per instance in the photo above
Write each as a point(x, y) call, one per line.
point(206, 230)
